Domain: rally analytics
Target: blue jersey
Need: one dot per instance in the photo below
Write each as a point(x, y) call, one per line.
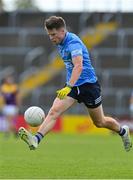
point(71, 47)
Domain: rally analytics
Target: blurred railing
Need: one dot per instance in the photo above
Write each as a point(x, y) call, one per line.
point(22, 34)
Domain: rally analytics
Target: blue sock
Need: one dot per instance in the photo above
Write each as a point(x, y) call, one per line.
point(39, 137)
point(122, 131)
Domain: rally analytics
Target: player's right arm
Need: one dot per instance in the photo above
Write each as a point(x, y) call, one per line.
point(77, 69)
point(77, 60)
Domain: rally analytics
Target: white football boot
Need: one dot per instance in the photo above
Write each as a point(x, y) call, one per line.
point(126, 139)
point(28, 138)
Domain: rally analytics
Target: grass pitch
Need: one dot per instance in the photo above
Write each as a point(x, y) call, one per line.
point(66, 157)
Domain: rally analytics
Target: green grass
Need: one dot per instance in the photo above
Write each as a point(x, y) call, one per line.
point(66, 156)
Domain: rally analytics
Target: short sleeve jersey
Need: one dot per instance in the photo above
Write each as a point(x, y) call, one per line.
point(71, 47)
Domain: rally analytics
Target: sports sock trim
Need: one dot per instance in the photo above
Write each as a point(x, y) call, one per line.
point(39, 137)
point(122, 131)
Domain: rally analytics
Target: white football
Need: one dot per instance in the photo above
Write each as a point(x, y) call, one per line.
point(34, 116)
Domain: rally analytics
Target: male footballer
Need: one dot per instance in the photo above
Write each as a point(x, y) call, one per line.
point(82, 86)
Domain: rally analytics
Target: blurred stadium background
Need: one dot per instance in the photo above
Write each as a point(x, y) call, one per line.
point(26, 51)
point(106, 27)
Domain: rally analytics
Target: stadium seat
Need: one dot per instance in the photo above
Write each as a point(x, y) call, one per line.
point(4, 19)
point(114, 61)
point(110, 42)
point(29, 19)
point(129, 40)
point(16, 60)
point(127, 20)
point(121, 80)
point(35, 40)
point(109, 100)
point(10, 40)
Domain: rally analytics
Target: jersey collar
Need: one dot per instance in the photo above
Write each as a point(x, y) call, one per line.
point(64, 40)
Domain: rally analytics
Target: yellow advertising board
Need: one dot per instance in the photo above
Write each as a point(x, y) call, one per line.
point(80, 124)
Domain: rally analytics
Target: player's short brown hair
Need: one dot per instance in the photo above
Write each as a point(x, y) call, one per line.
point(54, 22)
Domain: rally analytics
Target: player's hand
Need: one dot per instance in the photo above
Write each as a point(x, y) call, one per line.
point(62, 93)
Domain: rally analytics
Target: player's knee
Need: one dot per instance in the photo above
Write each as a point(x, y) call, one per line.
point(99, 124)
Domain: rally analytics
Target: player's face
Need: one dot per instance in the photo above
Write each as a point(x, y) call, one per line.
point(56, 36)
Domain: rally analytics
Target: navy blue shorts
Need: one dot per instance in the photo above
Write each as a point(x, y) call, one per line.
point(87, 93)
